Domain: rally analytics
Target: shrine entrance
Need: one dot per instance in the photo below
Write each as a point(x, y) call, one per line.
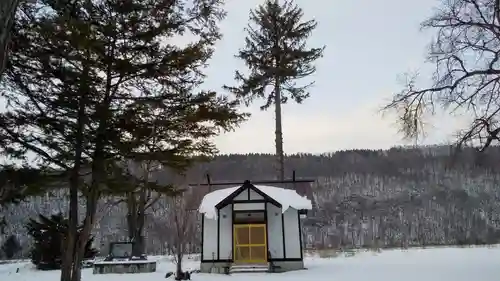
point(250, 243)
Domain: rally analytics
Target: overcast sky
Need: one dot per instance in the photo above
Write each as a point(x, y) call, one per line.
point(369, 44)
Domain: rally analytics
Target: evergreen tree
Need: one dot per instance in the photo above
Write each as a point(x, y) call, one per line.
point(49, 235)
point(11, 247)
point(171, 138)
point(7, 11)
point(77, 77)
point(276, 54)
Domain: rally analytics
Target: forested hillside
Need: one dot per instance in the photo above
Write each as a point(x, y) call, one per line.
point(363, 198)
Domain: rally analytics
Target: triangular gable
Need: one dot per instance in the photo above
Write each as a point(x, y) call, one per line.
point(246, 186)
point(303, 187)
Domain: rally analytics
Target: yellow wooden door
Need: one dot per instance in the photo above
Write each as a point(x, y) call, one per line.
point(250, 243)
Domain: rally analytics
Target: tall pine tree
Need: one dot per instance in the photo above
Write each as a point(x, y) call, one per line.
point(78, 72)
point(276, 54)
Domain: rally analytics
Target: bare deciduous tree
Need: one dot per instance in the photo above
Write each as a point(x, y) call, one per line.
point(140, 198)
point(176, 220)
point(466, 53)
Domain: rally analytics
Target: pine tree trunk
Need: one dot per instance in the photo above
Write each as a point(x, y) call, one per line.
point(88, 225)
point(7, 13)
point(76, 269)
point(93, 193)
point(67, 256)
point(84, 235)
point(279, 132)
point(72, 235)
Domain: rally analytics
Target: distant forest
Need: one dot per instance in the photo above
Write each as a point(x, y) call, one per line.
point(400, 197)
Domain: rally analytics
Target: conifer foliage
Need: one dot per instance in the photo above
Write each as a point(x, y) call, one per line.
point(11, 247)
point(276, 54)
point(7, 12)
point(48, 235)
point(82, 74)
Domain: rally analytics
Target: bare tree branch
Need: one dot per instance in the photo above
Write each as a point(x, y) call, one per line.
point(466, 53)
point(177, 221)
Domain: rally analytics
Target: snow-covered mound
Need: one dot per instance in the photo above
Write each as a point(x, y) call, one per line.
point(286, 197)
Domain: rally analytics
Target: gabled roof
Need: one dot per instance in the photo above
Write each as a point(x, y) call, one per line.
point(303, 187)
point(246, 185)
point(280, 197)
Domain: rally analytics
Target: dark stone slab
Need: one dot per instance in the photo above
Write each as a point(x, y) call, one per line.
point(128, 266)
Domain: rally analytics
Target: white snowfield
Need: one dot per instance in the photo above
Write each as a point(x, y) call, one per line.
point(286, 197)
point(438, 264)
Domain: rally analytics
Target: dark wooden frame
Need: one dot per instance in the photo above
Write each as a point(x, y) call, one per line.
point(248, 211)
point(267, 199)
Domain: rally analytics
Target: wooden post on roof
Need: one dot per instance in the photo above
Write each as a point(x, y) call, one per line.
point(208, 182)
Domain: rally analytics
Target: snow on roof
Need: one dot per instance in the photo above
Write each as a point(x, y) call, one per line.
point(286, 197)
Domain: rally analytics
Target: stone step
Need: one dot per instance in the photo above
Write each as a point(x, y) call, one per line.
point(249, 268)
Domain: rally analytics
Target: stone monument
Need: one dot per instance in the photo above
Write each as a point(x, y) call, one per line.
point(120, 260)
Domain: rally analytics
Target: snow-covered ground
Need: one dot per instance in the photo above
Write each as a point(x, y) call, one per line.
point(438, 264)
